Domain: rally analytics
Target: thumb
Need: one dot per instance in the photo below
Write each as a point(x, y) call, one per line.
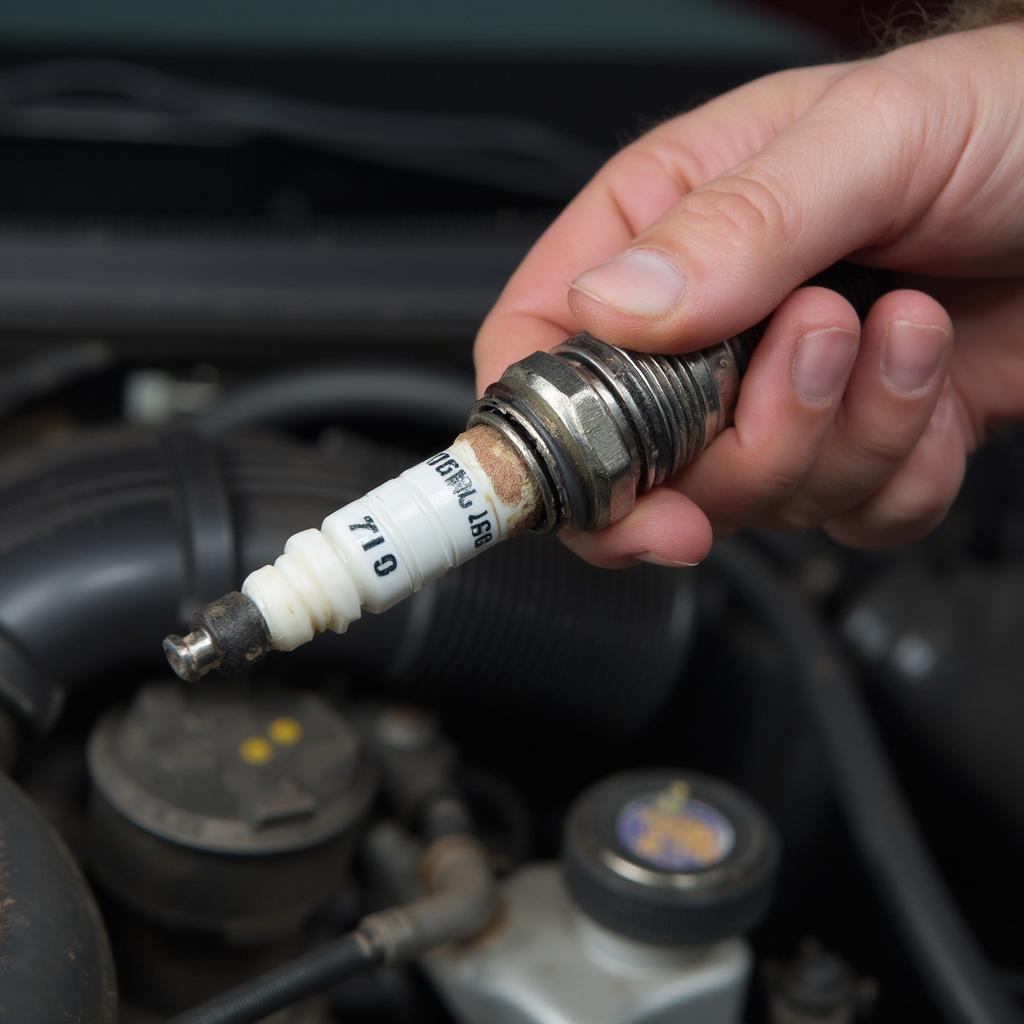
point(842, 178)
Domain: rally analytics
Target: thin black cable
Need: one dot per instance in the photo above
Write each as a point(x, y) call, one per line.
point(45, 372)
point(426, 397)
point(124, 102)
point(965, 988)
point(307, 975)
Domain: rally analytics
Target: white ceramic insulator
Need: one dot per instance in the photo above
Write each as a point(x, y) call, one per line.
point(383, 547)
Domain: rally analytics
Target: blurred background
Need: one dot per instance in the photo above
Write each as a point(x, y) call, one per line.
point(199, 179)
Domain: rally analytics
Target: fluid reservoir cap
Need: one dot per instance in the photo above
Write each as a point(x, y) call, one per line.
point(669, 857)
point(215, 770)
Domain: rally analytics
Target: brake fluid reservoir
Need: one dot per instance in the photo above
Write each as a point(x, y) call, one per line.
point(662, 872)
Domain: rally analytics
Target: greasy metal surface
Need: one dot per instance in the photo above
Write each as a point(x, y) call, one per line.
point(540, 963)
point(458, 902)
point(677, 404)
point(605, 424)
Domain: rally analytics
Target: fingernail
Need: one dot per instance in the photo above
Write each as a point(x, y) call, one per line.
point(822, 362)
point(639, 283)
point(668, 563)
point(912, 353)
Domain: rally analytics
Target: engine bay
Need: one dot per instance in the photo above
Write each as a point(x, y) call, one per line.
point(780, 787)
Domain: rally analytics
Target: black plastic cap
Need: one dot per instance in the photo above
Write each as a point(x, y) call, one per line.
point(670, 857)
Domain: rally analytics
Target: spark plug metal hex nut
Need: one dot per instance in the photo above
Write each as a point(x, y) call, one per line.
point(605, 425)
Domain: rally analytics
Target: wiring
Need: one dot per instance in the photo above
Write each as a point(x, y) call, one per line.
point(965, 988)
point(115, 101)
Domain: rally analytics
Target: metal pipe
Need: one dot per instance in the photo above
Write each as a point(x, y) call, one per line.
point(460, 900)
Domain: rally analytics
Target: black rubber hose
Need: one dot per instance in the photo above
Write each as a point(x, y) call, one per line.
point(45, 372)
point(109, 540)
point(55, 960)
point(310, 974)
point(425, 397)
point(962, 983)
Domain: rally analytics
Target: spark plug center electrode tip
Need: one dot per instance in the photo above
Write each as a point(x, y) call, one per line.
point(192, 656)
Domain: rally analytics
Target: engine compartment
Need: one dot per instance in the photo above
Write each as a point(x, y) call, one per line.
point(219, 843)
point(252, 300)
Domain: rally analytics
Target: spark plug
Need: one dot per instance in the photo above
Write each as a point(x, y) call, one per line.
point(568, 438)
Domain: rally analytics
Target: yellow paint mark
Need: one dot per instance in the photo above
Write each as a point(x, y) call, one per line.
point(255, 750)
point(285, 732)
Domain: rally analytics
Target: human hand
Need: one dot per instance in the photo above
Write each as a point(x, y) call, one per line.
point(912, 161)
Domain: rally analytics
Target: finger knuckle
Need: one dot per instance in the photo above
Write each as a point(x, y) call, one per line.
point(886, 92)
point(905, 514)
point(642, 177)
point(666, 154)
point(876, 448)
point(910, 513)
point(924, 501)
point(742, 207)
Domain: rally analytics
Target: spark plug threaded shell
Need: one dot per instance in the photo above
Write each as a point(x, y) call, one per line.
point(599, 425)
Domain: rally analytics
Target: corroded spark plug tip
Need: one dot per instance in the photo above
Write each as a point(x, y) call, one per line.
point(228, 634)
point(191, 656)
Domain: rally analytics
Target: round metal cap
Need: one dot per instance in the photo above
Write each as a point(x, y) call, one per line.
point(224, 810)
point(670, 857)
point(270, 773)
